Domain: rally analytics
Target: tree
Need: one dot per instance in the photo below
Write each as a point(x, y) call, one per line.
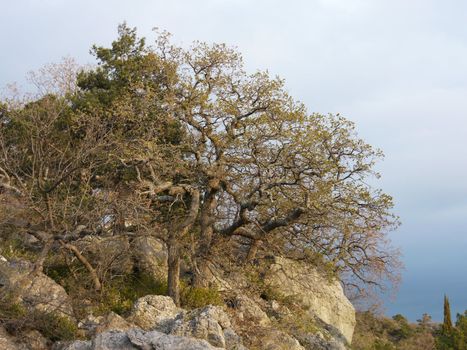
point(223, 166)
point(249, 172)
point(447, 323)
point(449, 337)
point(47, 167)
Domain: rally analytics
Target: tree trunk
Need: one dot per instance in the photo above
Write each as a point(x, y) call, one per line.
point(201, 273)
point(252, 251)
point(173, 278)
point(173, 247)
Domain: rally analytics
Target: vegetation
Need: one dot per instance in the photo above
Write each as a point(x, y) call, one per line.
point(183, 146)
point(381, 333)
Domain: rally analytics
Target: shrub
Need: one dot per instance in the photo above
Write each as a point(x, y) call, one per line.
point(52, 326)
point(16, 318)
point(120, 293)
point(193, 298)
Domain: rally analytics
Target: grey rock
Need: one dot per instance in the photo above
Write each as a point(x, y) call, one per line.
point(138, 339)
point(154, 311)
point(8, 342)
point(34, 340)
point(35, 291)
point(93, 325)
point(203, 324)
point(249, 310)
point(150, 256)
point(274, 339)
point(314, 292)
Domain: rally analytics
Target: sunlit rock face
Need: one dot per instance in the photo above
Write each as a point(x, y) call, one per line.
point(321, 297)
point(33, 290)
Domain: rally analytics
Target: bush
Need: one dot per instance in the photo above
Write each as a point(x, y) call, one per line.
point(16, 318)
point(53, 327)
point(193, 298)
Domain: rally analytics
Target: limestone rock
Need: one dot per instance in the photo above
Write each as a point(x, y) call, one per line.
point(34, 340)
point(35, 291)
point(8, 342)
point(249, 310)
point(203, 324)
point(137, 339)
point(150, 256)
point(321, 297)
point(210, 323)
point(93, 325)
point(319, 342)
point(273, 339)
point(153, 311)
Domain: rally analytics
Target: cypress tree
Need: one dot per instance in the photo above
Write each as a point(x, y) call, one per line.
point(447, 324)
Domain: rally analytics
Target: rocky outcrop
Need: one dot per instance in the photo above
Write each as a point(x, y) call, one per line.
point(92, 325)
point(304, 311)
point(9, 342)
point(273, 339)
point(150, 256)
point(28, 340)
point(154, 312)
point(320, 296)
point(211, 323)
point(248, 310)
point(34, 290)
point(138, 339)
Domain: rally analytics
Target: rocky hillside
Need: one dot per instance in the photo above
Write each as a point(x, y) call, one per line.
point(301, 310)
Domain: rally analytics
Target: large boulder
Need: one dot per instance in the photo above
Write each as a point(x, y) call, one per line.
point(150, 256)
point(33, 290)
point(273, 339)
point(247, 310)
point(207, 323)
point(320, 296)
point(9, 342)
point(211, 323)
point(137, 339)
point(154, 312)
point(92, 325)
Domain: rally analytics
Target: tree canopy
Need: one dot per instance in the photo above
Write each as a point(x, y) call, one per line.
point(224, 167)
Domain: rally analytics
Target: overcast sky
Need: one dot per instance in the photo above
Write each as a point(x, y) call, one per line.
point(397, 68)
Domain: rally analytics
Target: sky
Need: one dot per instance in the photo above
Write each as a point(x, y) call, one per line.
point(397, 68)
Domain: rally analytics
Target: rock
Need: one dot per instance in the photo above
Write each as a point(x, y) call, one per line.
point(249, 310)
point(321, 297)
point(8, 342)
point(153, 311)
point(35, 291)
point(93, 325)
point(205, 323)
point(273, 339)
point(150, 256)
point(34, 340)
point(232, 340)
point(112, 321)
point(210, 323)
point(319, 342)
point(75, 345)
point(138, 339)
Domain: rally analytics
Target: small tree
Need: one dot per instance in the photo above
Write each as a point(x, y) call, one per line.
point(447, 323)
